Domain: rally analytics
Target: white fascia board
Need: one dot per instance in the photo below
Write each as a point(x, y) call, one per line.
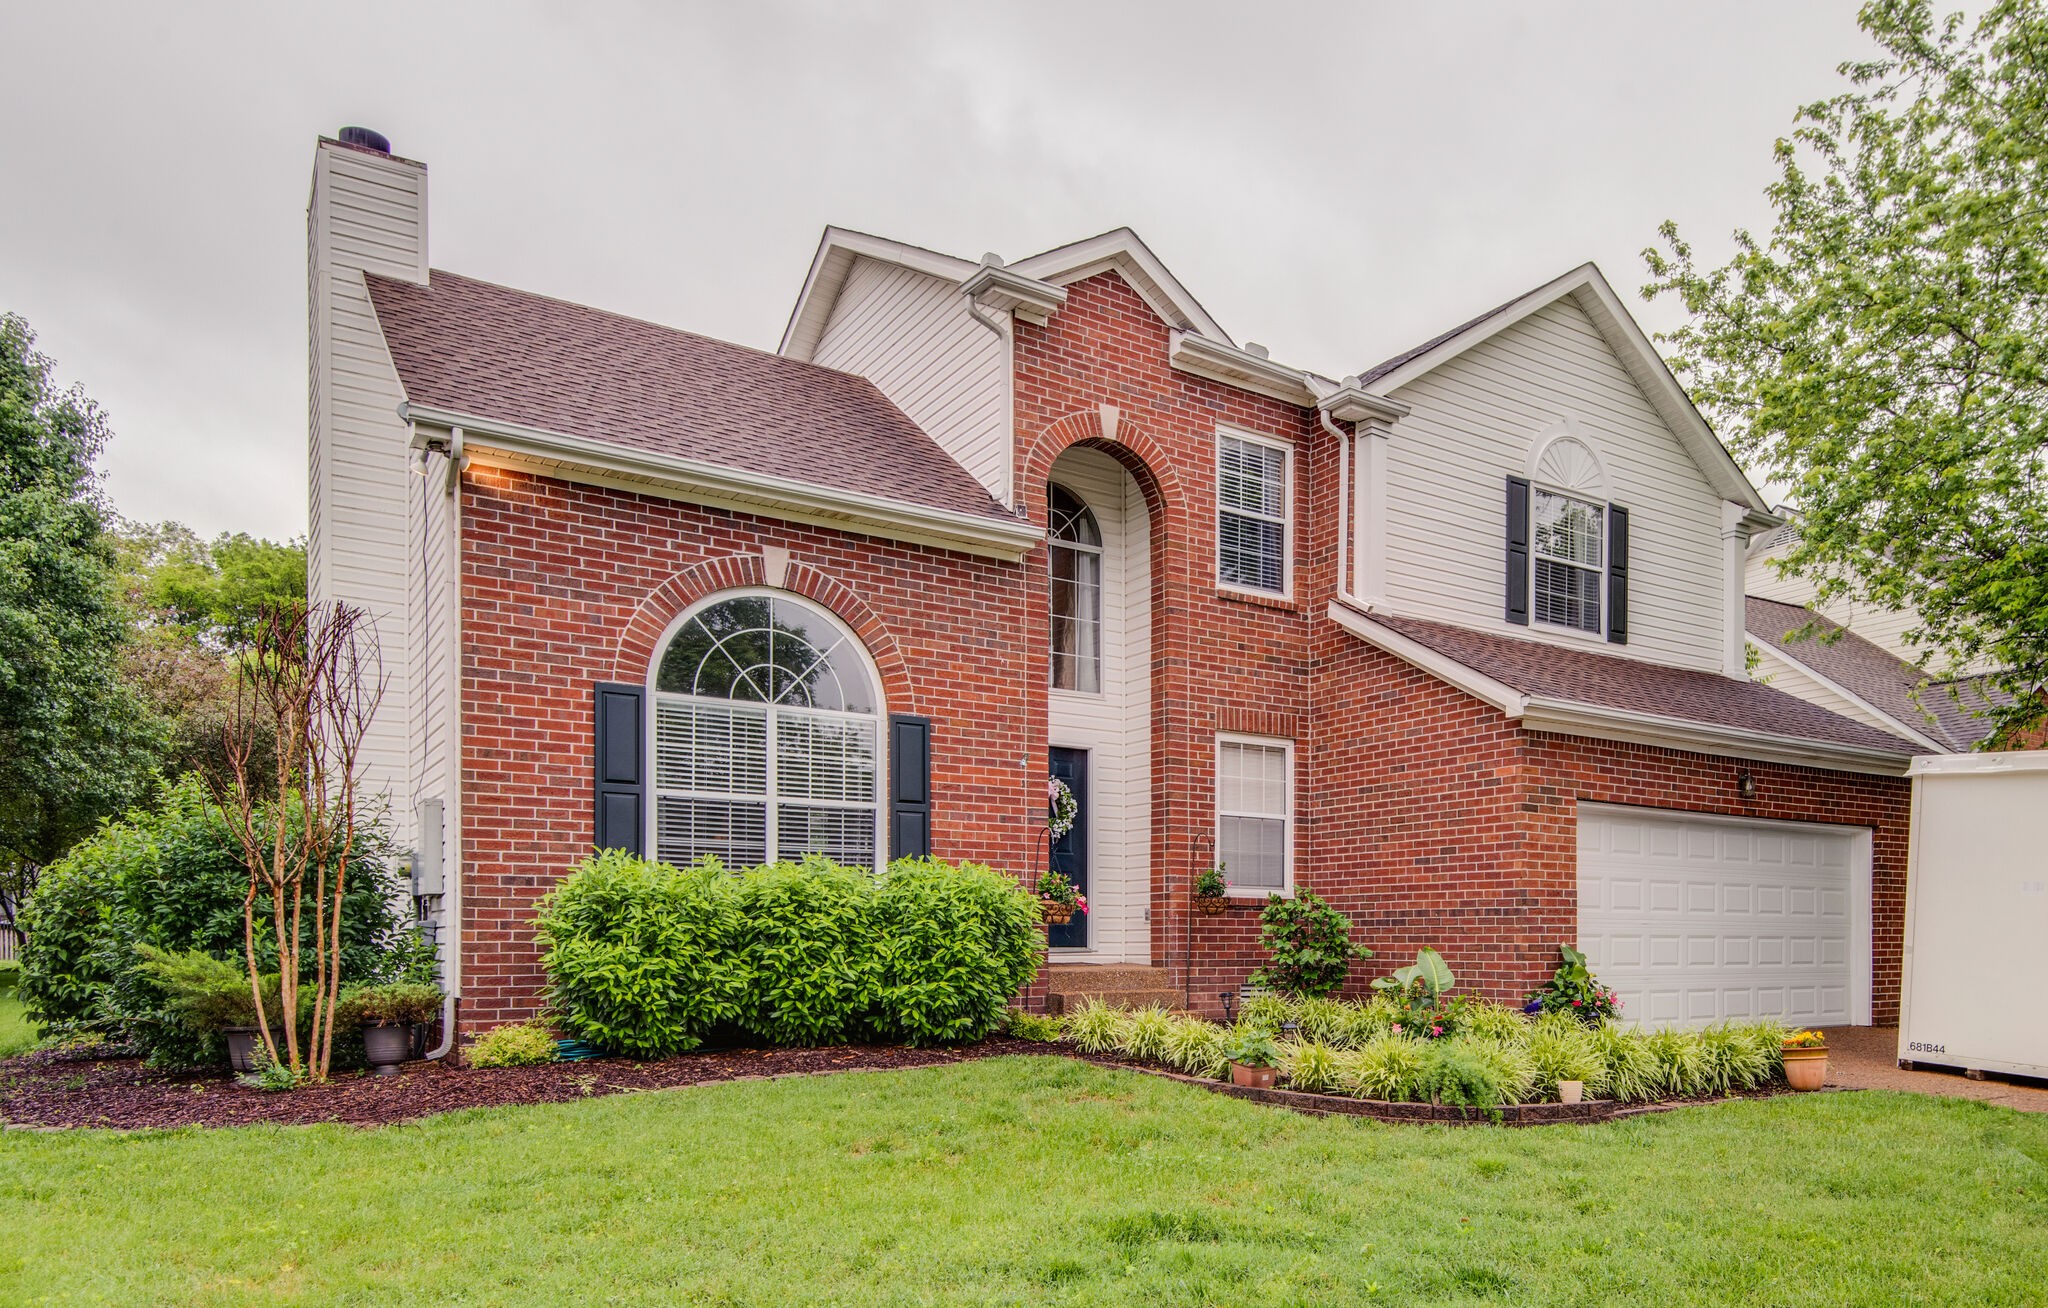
point(1481, 687)
point(837, 250)
point(1783, 653)
point(576, 458)
point(1990, 761)
point(1572, 718)
point(1647, 367)
point(1124, 251)
point(1202, 357)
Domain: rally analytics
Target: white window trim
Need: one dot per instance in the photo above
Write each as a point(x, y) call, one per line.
point(1287, 490)
point(1286, 887)
point(651, 834)
point(1599, 635)
point(1101, 553)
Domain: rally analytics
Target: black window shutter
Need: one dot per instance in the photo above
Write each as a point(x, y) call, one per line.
point(1518, 550)
point(1617, 574)
point(621, 766)
point(910, 786)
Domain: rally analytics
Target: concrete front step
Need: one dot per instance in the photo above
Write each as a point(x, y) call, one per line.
point(1121, 985)
point(1064, 1002)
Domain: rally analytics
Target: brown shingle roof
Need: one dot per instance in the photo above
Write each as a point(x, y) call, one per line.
point(1609, 681)
point(492, 352)
point(1873, 674)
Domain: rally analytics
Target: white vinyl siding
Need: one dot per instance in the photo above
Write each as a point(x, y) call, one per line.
point(1472, 425)
point(1255, 813)
point(1115, 724)
point(1253, 496)
point(910, 334)
point(369, 212)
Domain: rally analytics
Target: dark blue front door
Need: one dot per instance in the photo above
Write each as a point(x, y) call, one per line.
point(1070, 852)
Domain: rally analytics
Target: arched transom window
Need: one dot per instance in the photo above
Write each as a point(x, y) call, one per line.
point(767, 737)
point(1076, 561)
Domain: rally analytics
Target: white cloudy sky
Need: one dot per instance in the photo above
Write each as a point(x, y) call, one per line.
point(1335, 180)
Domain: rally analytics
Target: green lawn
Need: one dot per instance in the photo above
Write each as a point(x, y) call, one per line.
point(15, 1032)
point(1038, 1180)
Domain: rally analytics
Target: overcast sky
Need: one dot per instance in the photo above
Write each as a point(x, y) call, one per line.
point(1336, 181)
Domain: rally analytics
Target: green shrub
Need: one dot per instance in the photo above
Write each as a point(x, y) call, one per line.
point(1384, 1067)
point(1632, 1069)
point(206, 994)
point(172, 878)
point(1096, 1028)
point(642, 958)
point(1195, 1047)
point(957, 940)
point(1145, 1035)
point(1042, 1027)
point(1308, 945)
point(1310, 1067)
point(1466, 1073)
point(809, 952)
point(527, 1044)
point(403, 1003)
point(1564, 1050)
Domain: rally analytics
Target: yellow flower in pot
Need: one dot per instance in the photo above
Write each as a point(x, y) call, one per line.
point(1806, 1060)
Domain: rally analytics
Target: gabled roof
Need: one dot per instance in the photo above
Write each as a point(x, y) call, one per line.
point(527, 361)
point(1121, 250)
point(1590, 290)
point(1885, 683)
point(1580, 692)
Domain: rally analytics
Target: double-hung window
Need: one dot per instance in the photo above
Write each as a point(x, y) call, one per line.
point(1254, 812)
point(1568, 556)
point(1251, 513)
point(767, 738)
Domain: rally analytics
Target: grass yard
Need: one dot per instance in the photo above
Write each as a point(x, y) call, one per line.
point(1033, 1181)
point(15, 1032)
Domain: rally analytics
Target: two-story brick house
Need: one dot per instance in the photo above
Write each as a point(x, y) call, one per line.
point(1457, 640)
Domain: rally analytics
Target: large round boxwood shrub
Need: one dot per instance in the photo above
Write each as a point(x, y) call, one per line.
point(643, 958)
point(810, 952)
point(957, 941)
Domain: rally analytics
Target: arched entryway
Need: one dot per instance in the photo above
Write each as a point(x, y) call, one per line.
point(1099, 698)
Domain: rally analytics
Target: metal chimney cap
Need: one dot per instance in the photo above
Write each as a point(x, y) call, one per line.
point(366, 139)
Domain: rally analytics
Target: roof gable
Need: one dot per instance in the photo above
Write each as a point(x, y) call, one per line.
point(1587, 288)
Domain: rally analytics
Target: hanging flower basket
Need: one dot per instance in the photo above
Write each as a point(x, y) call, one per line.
point(1056, 913)
point(1059, 899)
point(1211, 905)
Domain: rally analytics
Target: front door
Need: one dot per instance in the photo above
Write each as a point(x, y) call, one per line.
point(1070, 852)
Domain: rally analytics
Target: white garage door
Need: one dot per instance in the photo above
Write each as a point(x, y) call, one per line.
point(1695, 920)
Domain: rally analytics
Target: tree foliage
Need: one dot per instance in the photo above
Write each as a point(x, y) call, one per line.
point(1881, 351)
point(75, 743)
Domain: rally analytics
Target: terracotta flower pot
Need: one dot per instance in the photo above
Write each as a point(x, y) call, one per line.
point(1211, 905)
point(1571, 1092)
point(1806, 1069)
point(1056, 913)
point(1259, 1078)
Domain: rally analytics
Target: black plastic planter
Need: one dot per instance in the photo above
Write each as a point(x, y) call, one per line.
point(386, 1047)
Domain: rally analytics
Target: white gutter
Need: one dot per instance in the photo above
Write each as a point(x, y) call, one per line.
point(1575, 718)
point(557, 454)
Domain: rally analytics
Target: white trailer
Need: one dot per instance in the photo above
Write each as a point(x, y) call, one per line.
point(1974, 989)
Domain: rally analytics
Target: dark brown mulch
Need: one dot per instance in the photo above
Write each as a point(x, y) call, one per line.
point(51, 1089)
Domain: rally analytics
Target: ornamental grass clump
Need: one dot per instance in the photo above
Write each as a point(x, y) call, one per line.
point(1683, 1071)
point(1385, 1067)
point(1310, 1067)
point(1564, 1050)
point(1324, 1021)
point(1096, 1028)
point(1632, 1073)
point(1145, 1034)
point(1196, 1047)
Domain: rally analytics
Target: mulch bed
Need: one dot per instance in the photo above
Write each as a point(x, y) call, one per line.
point(55, 1089)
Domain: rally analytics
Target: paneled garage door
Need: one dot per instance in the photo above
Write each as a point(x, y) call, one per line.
point(1693, 920)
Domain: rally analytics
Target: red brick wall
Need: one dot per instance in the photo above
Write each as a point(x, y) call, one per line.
point(566, 585)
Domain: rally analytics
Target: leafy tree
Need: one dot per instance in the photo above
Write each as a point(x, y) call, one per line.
point(1882, 351)
point(75, 743)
